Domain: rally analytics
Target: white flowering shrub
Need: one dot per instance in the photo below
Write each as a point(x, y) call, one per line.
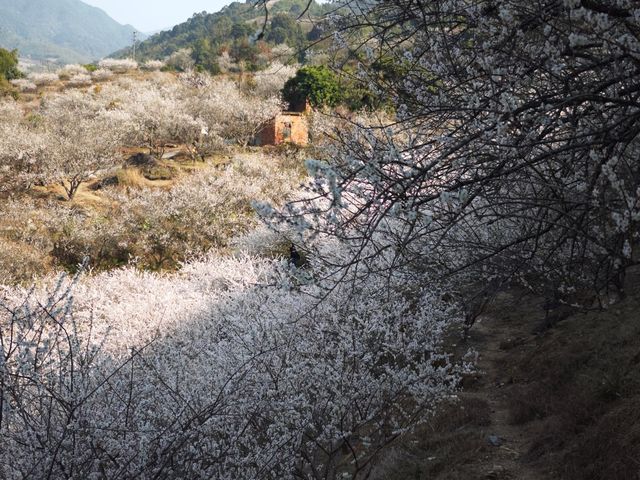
point(231, 367)
point(43, 79)
point(283, 53)
point(197, 111)
point(24, 85)
point(10, 111)
point(82, 138)
point(158, 116)
point(23, 146)
point(77, 151)
point(181, 60)
point(226, 63)
point(118, 65)
point(22, 152)
point(69, 71)
point(102, 75)
point(195, 80)
point(80, 80)
point(153, 65)
point(229, 370)
point(20, 146)
point(513, 152)
point(238, 116)
point(268, 83)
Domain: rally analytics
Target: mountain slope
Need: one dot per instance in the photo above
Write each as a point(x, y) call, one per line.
point(68, 30)
point(206, 34)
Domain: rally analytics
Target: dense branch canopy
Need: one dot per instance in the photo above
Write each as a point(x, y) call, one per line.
point(515, 141)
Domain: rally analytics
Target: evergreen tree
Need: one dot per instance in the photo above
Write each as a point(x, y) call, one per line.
point(9, 64)
point(316, 84)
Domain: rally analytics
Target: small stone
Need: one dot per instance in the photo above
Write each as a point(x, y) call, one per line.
point(495, 441)
point(496, 473)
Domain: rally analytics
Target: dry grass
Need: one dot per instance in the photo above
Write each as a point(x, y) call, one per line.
point(21, 263)
point(132, 178)
point(85, 197)
point(188, 164)
point(123, 216)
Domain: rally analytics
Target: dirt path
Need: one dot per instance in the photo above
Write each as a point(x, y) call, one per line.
point(543, 398)
point(493, 337)
point(551, 398)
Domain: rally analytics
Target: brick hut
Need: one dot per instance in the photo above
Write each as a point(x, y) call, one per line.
point(286, 127)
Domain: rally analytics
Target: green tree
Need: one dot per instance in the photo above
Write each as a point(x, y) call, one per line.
point(245, 51)
point(241, 30)
point(220, 29)
point(205, 55)
point(9, 64)
point(284, 29)
point(317, 84)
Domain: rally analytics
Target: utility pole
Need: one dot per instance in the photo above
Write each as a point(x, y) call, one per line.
point(135, 37)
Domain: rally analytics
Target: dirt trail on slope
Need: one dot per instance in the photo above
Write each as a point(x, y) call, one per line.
point(494, 336)
point(562, 390)
point(473, 437)
point(554, 398)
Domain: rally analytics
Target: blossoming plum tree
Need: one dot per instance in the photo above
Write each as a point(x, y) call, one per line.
point(234, 367)
point(82, 137)
point(237, 116)
point(118, 65)
point(513, 151)
point(243, 375)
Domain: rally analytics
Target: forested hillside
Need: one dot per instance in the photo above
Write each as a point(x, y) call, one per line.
point(67, 30)
point(234, 30)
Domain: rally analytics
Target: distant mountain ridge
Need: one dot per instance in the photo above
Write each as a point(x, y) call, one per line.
point(67, 30)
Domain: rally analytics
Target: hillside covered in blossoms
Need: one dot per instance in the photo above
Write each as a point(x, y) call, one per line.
point(435, 277)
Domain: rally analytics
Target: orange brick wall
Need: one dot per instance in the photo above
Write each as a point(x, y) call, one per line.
point(285, 128)
point(267, 135)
